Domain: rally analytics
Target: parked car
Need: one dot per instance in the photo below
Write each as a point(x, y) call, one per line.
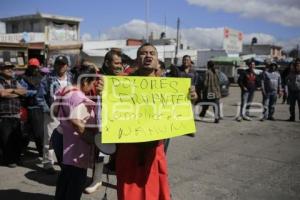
point(224, 81)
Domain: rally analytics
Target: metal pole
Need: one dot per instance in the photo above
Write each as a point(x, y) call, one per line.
point(177, 41)
point(165, 30)
point(147, 20)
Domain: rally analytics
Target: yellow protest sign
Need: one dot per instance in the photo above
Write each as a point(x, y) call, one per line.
point(139, 109)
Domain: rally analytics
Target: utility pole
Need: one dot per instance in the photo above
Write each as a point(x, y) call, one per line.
point(177, 41)
point(165, 31)
point(147, 19)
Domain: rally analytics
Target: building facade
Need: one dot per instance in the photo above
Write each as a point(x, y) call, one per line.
point(263, 50)
point(45, 35)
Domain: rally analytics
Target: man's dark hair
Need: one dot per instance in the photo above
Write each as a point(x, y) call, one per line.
point(186, 56)
point(145, 45)
point(250, 61)
point(86, 70)
point(109, 56)
point(108, 59)
point(210, 64)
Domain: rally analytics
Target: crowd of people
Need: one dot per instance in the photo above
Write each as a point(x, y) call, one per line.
point(272, 84)
point(62, 110)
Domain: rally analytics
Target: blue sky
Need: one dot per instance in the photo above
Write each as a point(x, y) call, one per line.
point(100, 17)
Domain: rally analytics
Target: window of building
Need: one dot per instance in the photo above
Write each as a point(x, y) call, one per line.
point(1, 56)
point(31, 27)
point(6, 55)
point(14, 28)
point(21, 58)
point(16, 57)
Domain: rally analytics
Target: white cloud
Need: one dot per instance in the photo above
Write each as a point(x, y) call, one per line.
point(284, 12)
point(131, 29)
point(290, 44)
point(198, 38)
point(262, 38)
point(203, 37)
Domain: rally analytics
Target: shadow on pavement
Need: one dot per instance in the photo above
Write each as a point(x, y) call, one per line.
point(37, 174)
point(208, 121)
point(19, 195)
point(42, 178)
point(286, 120)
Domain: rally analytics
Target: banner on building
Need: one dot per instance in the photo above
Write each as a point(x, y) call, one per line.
point(233, 41)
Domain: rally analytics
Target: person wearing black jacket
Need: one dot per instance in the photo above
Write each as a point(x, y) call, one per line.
point(293, 84)
point(284, 75)
point(247, 82)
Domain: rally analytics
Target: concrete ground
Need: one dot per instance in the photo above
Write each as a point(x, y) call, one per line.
point(226, 161)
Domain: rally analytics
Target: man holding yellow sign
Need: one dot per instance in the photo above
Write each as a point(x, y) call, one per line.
point(138, 112)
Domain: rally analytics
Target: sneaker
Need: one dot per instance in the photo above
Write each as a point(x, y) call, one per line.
point(247, 118)
point(262, 119)
point(12, 165)
point(93, 188)
point(216, 121)
point(239, 119)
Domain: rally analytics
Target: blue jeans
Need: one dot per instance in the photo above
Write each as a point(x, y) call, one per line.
point(246, 98)
point(35, 119)
point(269, 102)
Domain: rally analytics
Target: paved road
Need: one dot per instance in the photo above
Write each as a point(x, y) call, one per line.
point(226, 161)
